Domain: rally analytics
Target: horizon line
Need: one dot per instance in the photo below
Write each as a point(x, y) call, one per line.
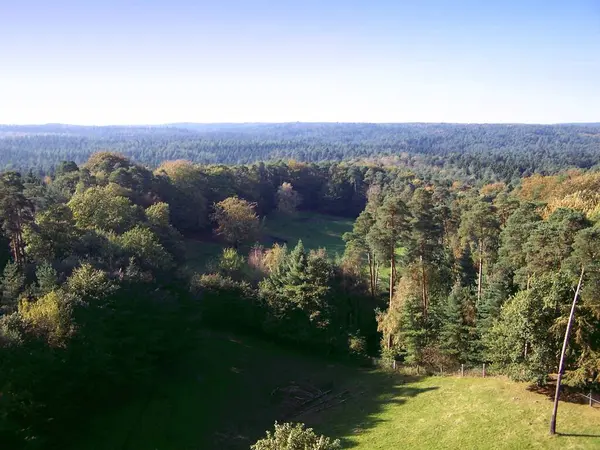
point(180, 123)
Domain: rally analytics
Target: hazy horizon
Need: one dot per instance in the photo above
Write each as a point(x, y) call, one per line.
point(124, 63)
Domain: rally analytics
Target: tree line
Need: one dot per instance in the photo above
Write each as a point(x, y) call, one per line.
point(97, 298)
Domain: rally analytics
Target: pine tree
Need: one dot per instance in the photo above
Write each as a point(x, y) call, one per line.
point(390, 230)
point(47, 279)
point(12, 285)
point(479, 229)
point(457, 328)
point(426, 240)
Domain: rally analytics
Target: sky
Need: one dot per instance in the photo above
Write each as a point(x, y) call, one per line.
point(98, 62)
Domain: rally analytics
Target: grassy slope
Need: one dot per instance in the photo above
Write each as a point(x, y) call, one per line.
point(467, 413)
point(221, 398)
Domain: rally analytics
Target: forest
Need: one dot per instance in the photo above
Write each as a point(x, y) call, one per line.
point(467, 246)
point(477, 151)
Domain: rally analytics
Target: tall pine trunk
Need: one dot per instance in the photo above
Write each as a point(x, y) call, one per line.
point(480, 274)
point(423, 286)
point(392, 278)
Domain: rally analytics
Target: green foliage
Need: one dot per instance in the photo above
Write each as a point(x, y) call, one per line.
point(457, 332)
point(236, 221)
point(100, 208)
point(47, 279)
point(231, 264)
point(289, 436)
point(523, 342)
point(88, 283)
point(142, 244)
point(550, 243)
point(53, 235)
point(12, 283)
point(158, 215)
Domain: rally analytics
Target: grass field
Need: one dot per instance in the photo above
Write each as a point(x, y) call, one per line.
point(315, 230)
point(231, 390)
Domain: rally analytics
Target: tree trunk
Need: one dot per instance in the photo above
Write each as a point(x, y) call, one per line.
point(480, 275)
point(392, 269)
point(561, 366)
point(424, 287)
point(371, 274)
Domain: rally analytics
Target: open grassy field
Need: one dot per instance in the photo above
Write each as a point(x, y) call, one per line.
point(226, 394)
point(315, 230)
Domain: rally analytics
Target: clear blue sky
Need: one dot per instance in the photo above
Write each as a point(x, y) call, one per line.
point(158, 61)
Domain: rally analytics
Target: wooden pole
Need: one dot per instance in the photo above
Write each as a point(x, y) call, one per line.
point(462, 370)
point(483, 370)
point(561, 366)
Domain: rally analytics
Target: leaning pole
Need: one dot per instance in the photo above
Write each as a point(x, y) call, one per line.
point(561, 366)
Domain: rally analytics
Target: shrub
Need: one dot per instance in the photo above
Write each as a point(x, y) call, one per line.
point(289, 436)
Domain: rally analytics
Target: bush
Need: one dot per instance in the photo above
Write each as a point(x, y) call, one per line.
point(289, 436)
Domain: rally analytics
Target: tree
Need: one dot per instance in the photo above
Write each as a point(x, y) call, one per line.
point(298, 296)
point(98, 207)
point(513, 252)
point(141, 243)
point(52, 235)
point(426, 242)
point(47, 279)
point(15, 211)
point(356, 241)
point(89, 284)
point(457, 332)
point(48, 317)
point(390, 230)
point(236, 221)
point(184, 187)
point(524, 341)
point(287, 199)
point(288, 436)
point(479, 229)
point(550, 244)
point(12, 283)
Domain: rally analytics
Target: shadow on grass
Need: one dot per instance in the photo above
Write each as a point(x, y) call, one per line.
point(373, 392)
point(228, 392)
point(579, 435)
point(271, 383)
point(567, 393)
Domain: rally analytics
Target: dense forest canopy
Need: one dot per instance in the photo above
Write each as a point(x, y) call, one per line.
point(487, 152)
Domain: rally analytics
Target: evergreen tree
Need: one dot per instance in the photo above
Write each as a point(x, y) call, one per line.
point(426, 240)
point(479, 229)
point(390, 230)
point(47, 278)
point(457, 332)
point(12, 284)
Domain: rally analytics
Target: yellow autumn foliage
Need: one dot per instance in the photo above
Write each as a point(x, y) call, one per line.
point(573, 189)
point(47, 318)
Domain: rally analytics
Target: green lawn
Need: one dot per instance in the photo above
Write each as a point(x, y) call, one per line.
point(463, 413)
point(226, 394)
point(315, 231)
